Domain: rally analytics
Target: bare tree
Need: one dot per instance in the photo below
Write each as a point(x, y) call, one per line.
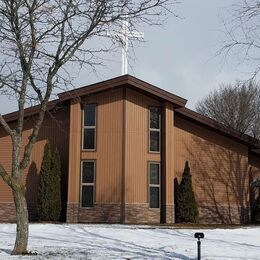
point(236, 106)
point(242, 32)
point(38, 41)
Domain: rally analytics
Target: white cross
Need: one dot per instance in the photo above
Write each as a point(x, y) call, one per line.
point(124, 38)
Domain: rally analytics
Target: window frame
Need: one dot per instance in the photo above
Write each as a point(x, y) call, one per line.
point(154, 185)
point(154, 129)
point(88, 184)
point(89, 127)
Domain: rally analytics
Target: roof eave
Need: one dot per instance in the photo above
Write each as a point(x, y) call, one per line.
point(121, 81)
point(251, 142)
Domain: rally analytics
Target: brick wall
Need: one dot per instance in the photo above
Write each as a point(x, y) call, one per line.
point(8, 214)
point(140, 213)
point(72, 213)
point(100, 213)
point(168, 214)
point(223, 214)
point(110, 213)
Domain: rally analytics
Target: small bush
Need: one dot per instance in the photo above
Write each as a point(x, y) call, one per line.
point(186, 207)
point(49, 192)
point(256, 211)
point(44, 185)
point(55, 190)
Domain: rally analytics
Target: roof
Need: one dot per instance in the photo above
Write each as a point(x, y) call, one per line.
point(30, 111)
point(131, 82)
point(148, 89)
point(125, 80)
point(252, 143)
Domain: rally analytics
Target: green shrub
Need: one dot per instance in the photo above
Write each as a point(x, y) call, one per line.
point(49, 192)
point(186, 207)
point(55, 189)
point(256, 211)
point(44, 185)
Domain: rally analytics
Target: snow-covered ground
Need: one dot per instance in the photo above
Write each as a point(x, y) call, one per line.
point(131, 242)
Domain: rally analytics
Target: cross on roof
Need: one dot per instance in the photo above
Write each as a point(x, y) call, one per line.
point(124, 38)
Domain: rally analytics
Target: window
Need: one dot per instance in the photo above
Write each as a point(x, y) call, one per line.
point(154, 129)
point(154, 184)
point(89, 129)
point(87, 183)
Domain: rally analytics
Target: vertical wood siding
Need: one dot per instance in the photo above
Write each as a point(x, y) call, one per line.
point(5, 160)
point(74, 152)
point(167, 155)
point(219, 165)
point(136, 154)
point(55, 128)
point(108, 154)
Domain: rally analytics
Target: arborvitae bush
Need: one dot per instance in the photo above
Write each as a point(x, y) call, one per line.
point(55, 196)
point(44, 185)
point(256, 211)
point(186, 207)
point(49, 192)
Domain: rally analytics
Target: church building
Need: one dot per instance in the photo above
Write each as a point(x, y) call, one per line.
point(123, 144)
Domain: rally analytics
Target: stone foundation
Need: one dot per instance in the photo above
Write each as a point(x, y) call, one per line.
point(8, 213)
point(216, 214)
point(141, 213)
point(100, 213)
point(72, 215)
point(110, 213)
point(168, 214)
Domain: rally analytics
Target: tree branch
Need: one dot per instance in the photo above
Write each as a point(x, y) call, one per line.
point(8, 179)
point(6, 127)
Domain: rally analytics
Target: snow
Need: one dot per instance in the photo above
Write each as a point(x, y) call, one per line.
point(78, 241)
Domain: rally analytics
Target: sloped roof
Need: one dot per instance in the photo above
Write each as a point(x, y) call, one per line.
point(128, 80)
point(148, 89)
point(125, 80)
point(252, 143)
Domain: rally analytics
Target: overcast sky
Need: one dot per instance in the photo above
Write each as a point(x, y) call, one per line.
point(179, 58)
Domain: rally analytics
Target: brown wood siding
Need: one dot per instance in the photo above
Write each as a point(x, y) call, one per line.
point(74, 152)
point(136, 145)
point(219, 166)
point(108, 154)
point(56, 130)
point(5, 160)
point(168, 154)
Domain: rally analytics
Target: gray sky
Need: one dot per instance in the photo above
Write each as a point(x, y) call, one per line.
point(179, 58)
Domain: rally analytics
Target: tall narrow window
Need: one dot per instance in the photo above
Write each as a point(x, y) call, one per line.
point(89, 134)
point(87, 183)
point(154, 129)
point(154, 184)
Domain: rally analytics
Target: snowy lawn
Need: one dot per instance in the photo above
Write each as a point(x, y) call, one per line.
point(131, 242)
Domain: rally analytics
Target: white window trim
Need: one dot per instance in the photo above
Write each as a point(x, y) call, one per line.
point(87, 184)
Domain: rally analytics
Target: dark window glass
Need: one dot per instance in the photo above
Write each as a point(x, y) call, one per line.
point(87, 197)
point(155, 117)
point(154, 174)
point(90, 115)
point(88, 172)
point(89, 138)
point(154, 197)
point(155, 141)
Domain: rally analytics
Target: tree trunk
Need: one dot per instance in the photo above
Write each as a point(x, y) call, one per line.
point(22, 223)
